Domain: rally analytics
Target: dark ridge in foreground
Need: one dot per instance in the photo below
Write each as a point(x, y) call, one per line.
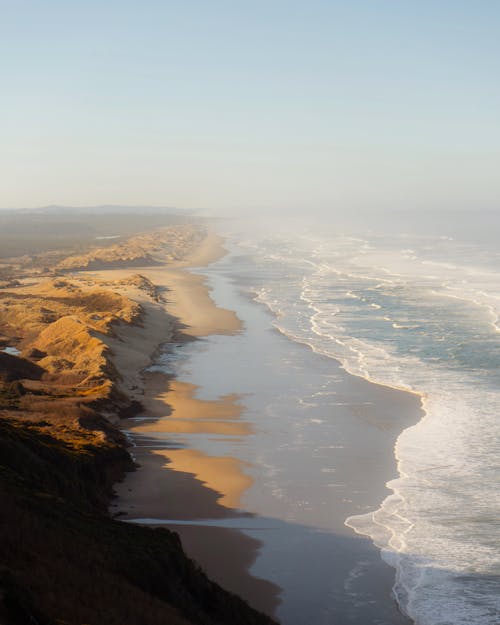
point(64, 561)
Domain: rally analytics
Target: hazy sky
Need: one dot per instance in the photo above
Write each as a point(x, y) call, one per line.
point(250, 104)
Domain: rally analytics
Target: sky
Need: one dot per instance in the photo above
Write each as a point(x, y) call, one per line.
point(250, 106)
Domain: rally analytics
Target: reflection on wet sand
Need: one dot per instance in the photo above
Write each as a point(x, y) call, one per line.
point(189, 415)
point(181, 399)
point(185, 414)
point(224, 475)
point(183, 483)
point(176, 480)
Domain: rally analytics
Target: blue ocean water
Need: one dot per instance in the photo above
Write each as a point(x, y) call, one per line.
point(418, 312)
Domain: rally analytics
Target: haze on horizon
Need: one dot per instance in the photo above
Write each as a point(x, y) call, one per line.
point(249, 106)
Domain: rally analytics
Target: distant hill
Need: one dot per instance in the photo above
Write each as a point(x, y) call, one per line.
point(32, 231)
point(100, 209)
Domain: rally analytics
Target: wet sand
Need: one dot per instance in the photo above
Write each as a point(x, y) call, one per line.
point(321, 450)
point(174, 481)
point(206, 439)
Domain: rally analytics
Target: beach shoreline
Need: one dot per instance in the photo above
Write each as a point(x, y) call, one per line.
point(73, 342)
point(371, 416)
point(179, 483)
point(172, 482)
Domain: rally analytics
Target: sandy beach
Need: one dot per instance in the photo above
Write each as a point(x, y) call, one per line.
point(198, 435)
point(196, 485)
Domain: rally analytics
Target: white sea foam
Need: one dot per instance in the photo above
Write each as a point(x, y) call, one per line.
point(437, 336)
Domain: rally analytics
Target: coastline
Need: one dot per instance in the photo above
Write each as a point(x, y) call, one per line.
point(210, 401)
point(173, 482)
point(62, 400)
point(369, 416)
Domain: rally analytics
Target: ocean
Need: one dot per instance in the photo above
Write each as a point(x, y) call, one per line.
point(420, 313)
point(368, 374)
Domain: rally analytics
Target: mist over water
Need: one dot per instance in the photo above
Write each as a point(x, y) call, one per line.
point(417, 309)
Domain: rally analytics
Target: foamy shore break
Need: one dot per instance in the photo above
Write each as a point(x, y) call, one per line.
point(77, 331)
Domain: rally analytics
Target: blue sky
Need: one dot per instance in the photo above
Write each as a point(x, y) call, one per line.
point(249, 106)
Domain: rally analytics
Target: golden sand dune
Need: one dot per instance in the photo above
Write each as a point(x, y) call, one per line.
point(173, 243)
point(58, 333)
point(70, 347)
point(60, 324)
point(67, 332)
point(32, 306)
